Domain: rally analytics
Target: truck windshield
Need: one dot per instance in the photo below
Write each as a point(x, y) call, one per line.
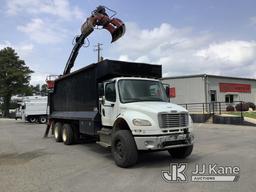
point(131, 90)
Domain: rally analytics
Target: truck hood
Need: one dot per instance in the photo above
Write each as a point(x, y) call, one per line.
point(154, 107)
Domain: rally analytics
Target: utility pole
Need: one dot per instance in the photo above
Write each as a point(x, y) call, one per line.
point(98, 49)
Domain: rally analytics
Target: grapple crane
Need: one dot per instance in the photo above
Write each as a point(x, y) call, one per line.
point(98, 18)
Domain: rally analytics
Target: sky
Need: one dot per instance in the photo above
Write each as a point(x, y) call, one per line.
point(185, 36)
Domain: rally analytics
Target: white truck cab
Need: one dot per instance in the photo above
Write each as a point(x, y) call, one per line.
point(155, 123)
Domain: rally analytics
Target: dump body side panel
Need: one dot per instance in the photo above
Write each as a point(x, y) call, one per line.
point(76, 92)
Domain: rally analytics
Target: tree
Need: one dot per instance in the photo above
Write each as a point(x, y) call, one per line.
point(36, 89)
point(14, 76)
point(44, 90)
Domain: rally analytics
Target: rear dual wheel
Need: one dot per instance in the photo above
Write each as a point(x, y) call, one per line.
point(67, 134)
point(64, 132)
point(58, 131)
point(42, 119)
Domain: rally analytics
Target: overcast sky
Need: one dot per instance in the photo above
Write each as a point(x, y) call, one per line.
point(185, 36)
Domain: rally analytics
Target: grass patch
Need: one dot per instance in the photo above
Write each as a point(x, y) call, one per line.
point(251, 114)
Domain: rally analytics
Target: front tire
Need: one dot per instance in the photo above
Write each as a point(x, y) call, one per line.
point(58, 132)
point(67, 135)
point(124, 149)
point(32, 119)
point(181, 152)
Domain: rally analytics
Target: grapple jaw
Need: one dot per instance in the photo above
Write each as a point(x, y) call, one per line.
point(99, 17)
point(116, 28)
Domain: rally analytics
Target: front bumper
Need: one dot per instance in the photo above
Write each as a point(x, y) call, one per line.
point(162, 142)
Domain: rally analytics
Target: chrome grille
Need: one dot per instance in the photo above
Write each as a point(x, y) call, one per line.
point(169, 120)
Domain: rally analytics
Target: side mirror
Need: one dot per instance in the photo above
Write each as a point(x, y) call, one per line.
point(167, 91)
point(172, 92)
point(102, 100)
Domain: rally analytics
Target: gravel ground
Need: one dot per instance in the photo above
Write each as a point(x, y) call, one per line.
point(30, 163)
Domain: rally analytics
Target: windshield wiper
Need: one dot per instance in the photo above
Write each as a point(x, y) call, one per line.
point(153, 100)
point(132, 100)
point(141, 100)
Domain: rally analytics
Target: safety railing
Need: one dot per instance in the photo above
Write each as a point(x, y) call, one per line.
point(235, 108)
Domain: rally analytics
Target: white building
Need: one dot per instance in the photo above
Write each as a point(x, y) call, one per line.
point(205, 88)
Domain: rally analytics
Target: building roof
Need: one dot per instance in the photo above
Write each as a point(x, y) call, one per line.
point(207, 75)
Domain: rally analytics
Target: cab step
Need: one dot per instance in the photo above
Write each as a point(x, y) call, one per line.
point(105, 137)
point(105, 131)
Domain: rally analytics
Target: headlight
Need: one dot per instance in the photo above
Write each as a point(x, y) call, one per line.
point(190, 120)
point(190, 124)
point(141, 122)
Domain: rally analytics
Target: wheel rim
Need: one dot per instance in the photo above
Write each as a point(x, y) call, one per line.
point(56, 134)
point(64, 135)
point(119, 149)
point(33, 120)
point(43, 120)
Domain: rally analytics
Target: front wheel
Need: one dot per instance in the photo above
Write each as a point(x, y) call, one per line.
point(124, 149)
point(181, 152)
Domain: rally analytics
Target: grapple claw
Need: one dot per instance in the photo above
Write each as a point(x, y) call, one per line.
point(116, 28)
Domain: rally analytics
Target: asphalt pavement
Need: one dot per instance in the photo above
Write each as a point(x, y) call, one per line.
point(30, 163)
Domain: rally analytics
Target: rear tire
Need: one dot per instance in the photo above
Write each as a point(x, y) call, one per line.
point(181, 152)
point(124, 149)
point(58, 132)
point(67, 134)
point(42, 119)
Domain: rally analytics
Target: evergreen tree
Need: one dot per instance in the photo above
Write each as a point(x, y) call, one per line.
point(14, 77)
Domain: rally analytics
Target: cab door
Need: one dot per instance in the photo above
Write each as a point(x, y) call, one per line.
point(108, 112)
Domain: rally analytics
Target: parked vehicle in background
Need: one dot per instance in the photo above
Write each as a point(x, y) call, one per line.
point(33, 109)
point(18, 113)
